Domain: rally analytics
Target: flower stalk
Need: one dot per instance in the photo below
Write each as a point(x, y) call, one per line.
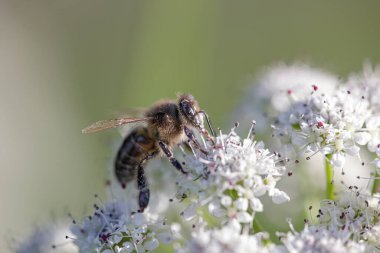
point(376, 183)
point(329, 178)
point(257, 227)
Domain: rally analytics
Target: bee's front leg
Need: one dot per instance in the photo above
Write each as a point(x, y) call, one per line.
point(192, 138)
point(165, 148)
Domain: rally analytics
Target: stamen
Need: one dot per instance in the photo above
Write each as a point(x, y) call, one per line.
point(252, 131)
point(311, 216)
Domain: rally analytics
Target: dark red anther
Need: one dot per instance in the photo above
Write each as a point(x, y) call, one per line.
point(320, 124)
point(104, 237)
point(289, 92)
point(315, 87)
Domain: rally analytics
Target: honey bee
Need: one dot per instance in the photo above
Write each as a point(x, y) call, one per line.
point(167, 123)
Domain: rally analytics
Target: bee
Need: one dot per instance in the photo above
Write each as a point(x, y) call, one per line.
point(167, 124)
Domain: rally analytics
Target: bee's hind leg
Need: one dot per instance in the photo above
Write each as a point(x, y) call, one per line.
point(143, 186)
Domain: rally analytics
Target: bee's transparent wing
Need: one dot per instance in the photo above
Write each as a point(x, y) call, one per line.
point(111, 123)
point(129, 112)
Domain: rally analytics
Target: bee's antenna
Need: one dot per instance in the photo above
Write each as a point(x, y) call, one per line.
point(208, 122)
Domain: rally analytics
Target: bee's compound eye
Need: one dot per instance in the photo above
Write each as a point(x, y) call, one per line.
point(188, 109)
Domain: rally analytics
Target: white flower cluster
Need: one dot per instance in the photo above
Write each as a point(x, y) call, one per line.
point(350, 224)
point(117, 227)
point(227, 239)
point(231, 178)
point(367, 83)
point(228, 176)
point(355, 212)
point(275, 89)
point(334, 124)
point(320, 240)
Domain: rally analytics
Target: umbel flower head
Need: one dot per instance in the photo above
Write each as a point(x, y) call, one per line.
point(268, 94)
point(356, 212)
point(335, 124)
point(350, 224)
point(320, 240)
point(227, 239)
point(118, 227)
point(231, 178)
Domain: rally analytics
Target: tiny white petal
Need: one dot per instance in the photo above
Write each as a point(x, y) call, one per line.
point(279, 197)
point(362, 138)
point(190, 212)
point(353, 150)
point(241, 204)
point(226, 201)
point(244, 217)
point(338, 160)
point(256, 205)
point(216, 210)
point(376, 162)
point(151, 244)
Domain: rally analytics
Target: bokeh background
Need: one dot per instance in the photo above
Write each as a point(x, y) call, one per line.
point(65, 64)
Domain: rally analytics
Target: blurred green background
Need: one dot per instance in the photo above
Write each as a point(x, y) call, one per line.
point(65, 64)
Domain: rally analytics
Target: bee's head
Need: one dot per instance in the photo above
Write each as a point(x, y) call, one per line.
point(189, 108)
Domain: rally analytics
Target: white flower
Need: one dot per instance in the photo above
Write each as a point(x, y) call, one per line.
point(227, 239)
point(231, 178)
point(117, 224)
point(320, 240)
point(335, 124)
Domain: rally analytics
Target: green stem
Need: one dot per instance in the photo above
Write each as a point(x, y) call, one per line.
point(257, 226)
point(329, 178)
point(376, 183)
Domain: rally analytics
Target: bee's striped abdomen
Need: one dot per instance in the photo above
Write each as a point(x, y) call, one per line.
point(136, 146)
